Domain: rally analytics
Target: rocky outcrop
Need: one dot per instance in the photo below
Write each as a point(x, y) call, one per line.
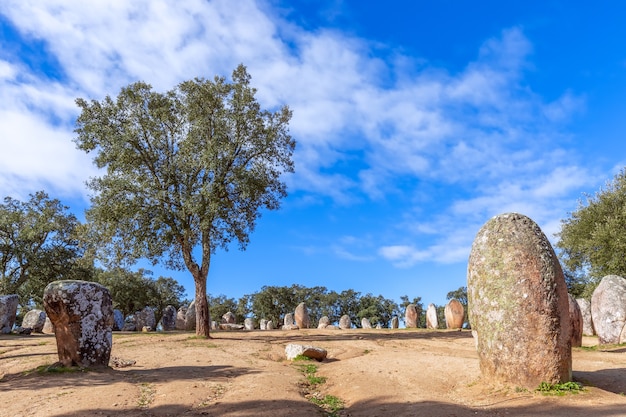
point(608, 310)
point(82, 315)
point(518, 304)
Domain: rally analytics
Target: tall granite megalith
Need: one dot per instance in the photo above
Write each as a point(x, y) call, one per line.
point(454, 314)
point(82, 315)
point(518, 304)
point(8, 311)
point(608, 310)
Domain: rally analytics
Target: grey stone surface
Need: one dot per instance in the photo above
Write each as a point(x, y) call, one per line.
point(585, 310)
point(345, 322)
point(518, 304)
point(608, 310)
point(82, 315)
point(8, 312)
point(432, 322)
point(292, 350)
point(34, 320)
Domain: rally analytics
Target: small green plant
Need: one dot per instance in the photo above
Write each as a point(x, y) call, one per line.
point(329, 403)
point(366, 351)
point(146, 395)
point(300, 358)
point(560, 389)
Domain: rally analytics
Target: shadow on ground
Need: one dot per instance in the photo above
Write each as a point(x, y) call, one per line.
point(370, 408)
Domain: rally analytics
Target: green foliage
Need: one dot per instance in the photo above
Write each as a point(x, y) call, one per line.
point(39, 243)
point(591, 241)
point(560, 389)
point(272, 303)
point(329, 403)
point(186, 172)
point(132, 291)
point(220, 305)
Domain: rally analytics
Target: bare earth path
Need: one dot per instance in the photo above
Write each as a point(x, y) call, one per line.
point(375, 372)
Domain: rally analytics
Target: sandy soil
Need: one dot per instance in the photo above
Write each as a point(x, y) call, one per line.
point(374, 372)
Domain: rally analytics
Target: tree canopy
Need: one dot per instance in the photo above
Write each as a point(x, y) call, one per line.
point(185, 172)
point(38, 244)
point(591, 241)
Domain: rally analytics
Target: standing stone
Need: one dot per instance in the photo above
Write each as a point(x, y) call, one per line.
point(130, 323)
point(34, 320)
point(263, 324)
point(118, 320)
point(345, 322)
point(181, 315)
point(323, 323)
point(190, 316)
point(229, 318)
point(270, 325)
point(8, 311)
point(365, 323)
point(214, 325)
point(411, 316)
point(608, 310)
point(455, 314)
point(431, 317)
point(288, 321)
point(168, 319)
point(576, 320)
point(145, 318)
point(82, 315)
point(395, 322)
point(585, 310)
point(301, 316)
point(518, 304)
point(248, 323)
point(48, 327)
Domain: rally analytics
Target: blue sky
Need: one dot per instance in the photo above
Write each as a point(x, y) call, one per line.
point(416, 121)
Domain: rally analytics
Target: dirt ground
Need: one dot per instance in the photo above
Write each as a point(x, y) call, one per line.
point(374, 372)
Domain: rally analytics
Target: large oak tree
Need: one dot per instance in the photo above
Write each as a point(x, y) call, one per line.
point(184, 172)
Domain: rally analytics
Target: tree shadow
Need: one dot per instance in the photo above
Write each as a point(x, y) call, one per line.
point(373, 407)
point(310, 335)
point(98, 377)
point(611, 380)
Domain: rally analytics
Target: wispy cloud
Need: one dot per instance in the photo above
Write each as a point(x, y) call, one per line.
point(362, 124)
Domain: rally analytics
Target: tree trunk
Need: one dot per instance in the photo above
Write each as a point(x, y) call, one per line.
point(202, 306)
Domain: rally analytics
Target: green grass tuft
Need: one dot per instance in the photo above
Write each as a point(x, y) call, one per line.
point(560, 389)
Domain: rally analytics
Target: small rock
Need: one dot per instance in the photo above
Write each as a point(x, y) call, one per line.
point(292, 350)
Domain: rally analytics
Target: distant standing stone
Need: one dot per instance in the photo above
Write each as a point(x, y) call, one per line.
point(229, 318)
point(288, 320)
point(576, 320)
point(454, 314)
point(248, 323)
point(118, 320)
point(34, 320)
point(48, 327)
point(431, 317)
point(395, 322)
point(181, 315)
point(518, 304)
point(301, 316)
point(365, 323)
point(608, 310)
point(145, 318)
point(323, 323)
point(270, 325)
point(263, 324)
point(82, 315)
point(585, 310)
point(345, 322)
point(168, 319)
point(8, 311)
point(190, 316)
point(411, 316)
point(379, 326)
